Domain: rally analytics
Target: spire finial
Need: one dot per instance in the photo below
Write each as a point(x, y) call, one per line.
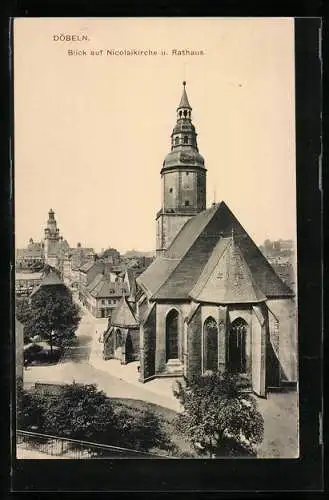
point(184, 83)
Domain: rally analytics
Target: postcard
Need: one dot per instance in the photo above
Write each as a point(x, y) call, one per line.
point(156, 288)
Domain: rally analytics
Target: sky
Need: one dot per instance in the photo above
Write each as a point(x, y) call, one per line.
point(91, 131)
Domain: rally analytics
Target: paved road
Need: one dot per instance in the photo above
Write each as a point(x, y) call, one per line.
point(75, 366)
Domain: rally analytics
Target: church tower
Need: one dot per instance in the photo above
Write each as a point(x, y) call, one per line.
point(183, 177)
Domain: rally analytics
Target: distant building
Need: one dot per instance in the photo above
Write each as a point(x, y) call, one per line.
point(102, 295)
point(111, 256)
point(26, 282)
point(76, 258)
point(30, 257)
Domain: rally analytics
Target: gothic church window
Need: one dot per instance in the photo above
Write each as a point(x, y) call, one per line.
point(237, 346)
point(172, 335)
point(118, 338)
point(210, 345)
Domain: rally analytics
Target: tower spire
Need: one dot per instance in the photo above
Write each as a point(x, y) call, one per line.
point(184, 104)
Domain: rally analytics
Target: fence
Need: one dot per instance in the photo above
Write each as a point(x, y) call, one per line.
point(74, 449)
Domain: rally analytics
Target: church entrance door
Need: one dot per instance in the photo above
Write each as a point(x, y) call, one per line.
point(129, 349)
point(237, 346)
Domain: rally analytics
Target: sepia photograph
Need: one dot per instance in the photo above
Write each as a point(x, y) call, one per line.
point(156, 294)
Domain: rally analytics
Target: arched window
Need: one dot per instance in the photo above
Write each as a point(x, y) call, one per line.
point(185, 113)
point(185, 139)
point(180, 114)
point(172, 335)
point(210, 345)
point(118, 338)
point(237, 346)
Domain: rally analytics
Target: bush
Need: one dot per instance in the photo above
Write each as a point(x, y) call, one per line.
point(219, 418)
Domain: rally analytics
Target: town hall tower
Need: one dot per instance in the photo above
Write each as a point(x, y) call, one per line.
point(183, 177)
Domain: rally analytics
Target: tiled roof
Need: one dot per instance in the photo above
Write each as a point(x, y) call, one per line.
point(176, 274)
point(87, 266)
point(102, 287)
point(123, 315)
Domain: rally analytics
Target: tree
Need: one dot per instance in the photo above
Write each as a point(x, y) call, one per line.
point(219, 417)
point(53, 315)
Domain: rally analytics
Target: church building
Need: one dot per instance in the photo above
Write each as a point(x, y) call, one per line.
point(210, 301)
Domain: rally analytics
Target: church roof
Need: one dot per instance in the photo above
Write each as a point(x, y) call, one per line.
point(226, 277)
point(204, 247)
point(123, 315)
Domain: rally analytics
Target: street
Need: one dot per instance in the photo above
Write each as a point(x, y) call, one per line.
point(76, 366)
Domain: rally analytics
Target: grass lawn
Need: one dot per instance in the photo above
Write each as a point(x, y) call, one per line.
point(184, 449)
